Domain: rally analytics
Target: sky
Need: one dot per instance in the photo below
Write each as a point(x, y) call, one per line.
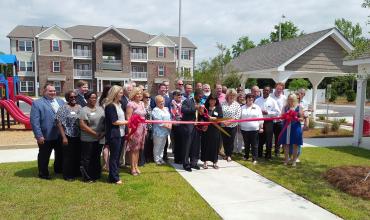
point(204, 22)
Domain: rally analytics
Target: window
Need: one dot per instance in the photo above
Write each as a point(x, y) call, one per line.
point(160, 70)
point(25, 66)
point(25, 46)
point(56, 45)
point(56, 66)
point(160, 51)
point(185, 55)
point(58, 86)
point(26, 86)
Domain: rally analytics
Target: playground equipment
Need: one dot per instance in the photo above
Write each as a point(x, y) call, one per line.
point(9, 94)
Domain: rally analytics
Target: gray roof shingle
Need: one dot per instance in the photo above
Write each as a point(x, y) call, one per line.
point(274, 54)
point(88, 32)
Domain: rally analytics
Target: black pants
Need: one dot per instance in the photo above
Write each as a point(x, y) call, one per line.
point(228, 141)
point(115, 149)
point(71, 158)
point(250, 142)
point(165, 157)
point(176, 139)
point(148, 147)
point(266, 138)
point(278, 126)
point(191, 145)
point(90, 160)
point(44, 156)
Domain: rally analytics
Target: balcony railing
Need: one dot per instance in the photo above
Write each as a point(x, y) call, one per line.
point(111, 65)
point(138, 56)
point(82, 74)
point(139, 75)
point(82, 53)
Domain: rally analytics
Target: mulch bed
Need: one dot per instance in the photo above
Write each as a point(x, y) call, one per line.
point(350, 179)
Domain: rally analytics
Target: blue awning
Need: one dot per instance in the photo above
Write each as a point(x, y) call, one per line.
point(8, 59)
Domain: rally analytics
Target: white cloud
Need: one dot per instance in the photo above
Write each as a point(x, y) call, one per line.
point(205, 22)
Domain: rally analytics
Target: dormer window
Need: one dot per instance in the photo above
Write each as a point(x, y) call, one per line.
point(56, 45)
point(160, 52)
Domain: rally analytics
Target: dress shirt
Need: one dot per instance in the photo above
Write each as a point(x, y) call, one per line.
point(269, 105)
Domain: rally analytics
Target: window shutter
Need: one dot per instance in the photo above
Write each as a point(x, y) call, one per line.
point(189, 54)
point(33, 66)
point(165, 70)
point(61, 66)
point(156, 51)
point(51, 66)
point(19, 64)
point(164, 52)
point(51, 45)
point(16, 45)
point(60, 46)
point(33, 46)
point(157, 70)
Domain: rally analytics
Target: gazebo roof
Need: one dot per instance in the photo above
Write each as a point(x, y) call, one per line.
point(275, 56)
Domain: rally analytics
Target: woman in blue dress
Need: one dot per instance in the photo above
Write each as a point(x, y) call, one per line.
point(292, 135)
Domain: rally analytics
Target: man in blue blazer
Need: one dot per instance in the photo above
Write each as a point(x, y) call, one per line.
point(46, 132)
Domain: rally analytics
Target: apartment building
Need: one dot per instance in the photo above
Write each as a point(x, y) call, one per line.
point(98, 55)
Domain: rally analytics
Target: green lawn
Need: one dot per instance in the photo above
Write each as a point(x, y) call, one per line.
point(306, 179)
point(159, 193)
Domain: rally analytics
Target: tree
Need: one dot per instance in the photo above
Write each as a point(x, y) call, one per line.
point(296, 84)
point(264, 41)
point(243, 44)
point(288, 31)
point(1, 52)
point(352, 32)
point(232, 80)
point(250, 82)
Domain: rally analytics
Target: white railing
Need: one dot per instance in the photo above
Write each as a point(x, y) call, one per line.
point(81, 53)
point(138, 56)
point(111, 64)
point(139, 75)
point(82, 74)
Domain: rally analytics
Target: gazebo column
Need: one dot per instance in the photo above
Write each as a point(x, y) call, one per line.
point(315, 81)
point(360, 102)
point(243, 80)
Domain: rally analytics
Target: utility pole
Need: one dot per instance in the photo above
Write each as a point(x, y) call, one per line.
point(282, 18)
point(180, 43)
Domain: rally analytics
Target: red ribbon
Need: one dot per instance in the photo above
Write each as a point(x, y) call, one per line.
point(135, 120)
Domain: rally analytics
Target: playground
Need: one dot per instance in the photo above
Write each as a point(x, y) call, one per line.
point(10, 96)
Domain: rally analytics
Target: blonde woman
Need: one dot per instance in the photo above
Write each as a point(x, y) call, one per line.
point(136, 141)
point(293, 134)
point(115, 130)
point(231, 109)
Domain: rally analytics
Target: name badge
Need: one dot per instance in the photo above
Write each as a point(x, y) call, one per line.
point(92, 113)
point(215, 113)
point(73, 113)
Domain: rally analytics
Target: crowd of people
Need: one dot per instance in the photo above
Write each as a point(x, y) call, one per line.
point(85, 128)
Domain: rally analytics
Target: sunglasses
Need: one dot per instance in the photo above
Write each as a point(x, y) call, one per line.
point(180, 84)
point(146, 97)
point(72, 97)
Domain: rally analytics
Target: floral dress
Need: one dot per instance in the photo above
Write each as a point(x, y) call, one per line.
point(137, 139)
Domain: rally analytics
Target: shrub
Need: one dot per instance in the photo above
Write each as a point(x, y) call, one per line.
point(322, 117)
point(335, 125)
point(342, 121)
point(311, 123)
point(325, 129)
point(333, 95)
point(351, 95)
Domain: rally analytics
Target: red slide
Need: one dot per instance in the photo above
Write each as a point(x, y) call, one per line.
point(15, 112)
point(24, 98)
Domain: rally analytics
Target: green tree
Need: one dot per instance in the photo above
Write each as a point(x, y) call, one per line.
point(288, 31)
point(243, 44)
point(232, 80)
point(352, 32)
point(250, 82)
point(264, 41)
point(296, 84)
point(1, 52)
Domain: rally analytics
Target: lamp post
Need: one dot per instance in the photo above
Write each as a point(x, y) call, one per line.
point(282, 19)
point(180, 43)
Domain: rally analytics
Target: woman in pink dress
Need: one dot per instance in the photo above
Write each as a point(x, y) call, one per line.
point(136, 141)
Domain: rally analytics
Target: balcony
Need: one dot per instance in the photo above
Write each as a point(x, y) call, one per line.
point(111, 65)
point(81, 53)
point(82, 74)
point(138, 56)
point(139, 76)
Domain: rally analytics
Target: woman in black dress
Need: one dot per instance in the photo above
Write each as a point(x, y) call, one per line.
point(211, 138)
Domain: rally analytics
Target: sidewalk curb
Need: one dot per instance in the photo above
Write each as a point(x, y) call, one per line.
point(19, 146)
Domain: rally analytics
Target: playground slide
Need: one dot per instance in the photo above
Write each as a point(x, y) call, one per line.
point(24, 98)
point(15, 112)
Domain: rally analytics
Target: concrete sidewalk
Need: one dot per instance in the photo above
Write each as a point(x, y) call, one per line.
point(236, 192)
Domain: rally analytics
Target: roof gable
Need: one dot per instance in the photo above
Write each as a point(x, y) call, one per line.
point(161, 40)
point(114, 29)
point(54, 32)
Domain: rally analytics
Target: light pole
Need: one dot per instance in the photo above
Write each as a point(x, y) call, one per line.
point(180, 43)
point(282, 19)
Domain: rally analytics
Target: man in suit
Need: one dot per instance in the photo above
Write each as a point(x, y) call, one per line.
point(82, 89)
point(46, 132)
point(191, 110)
